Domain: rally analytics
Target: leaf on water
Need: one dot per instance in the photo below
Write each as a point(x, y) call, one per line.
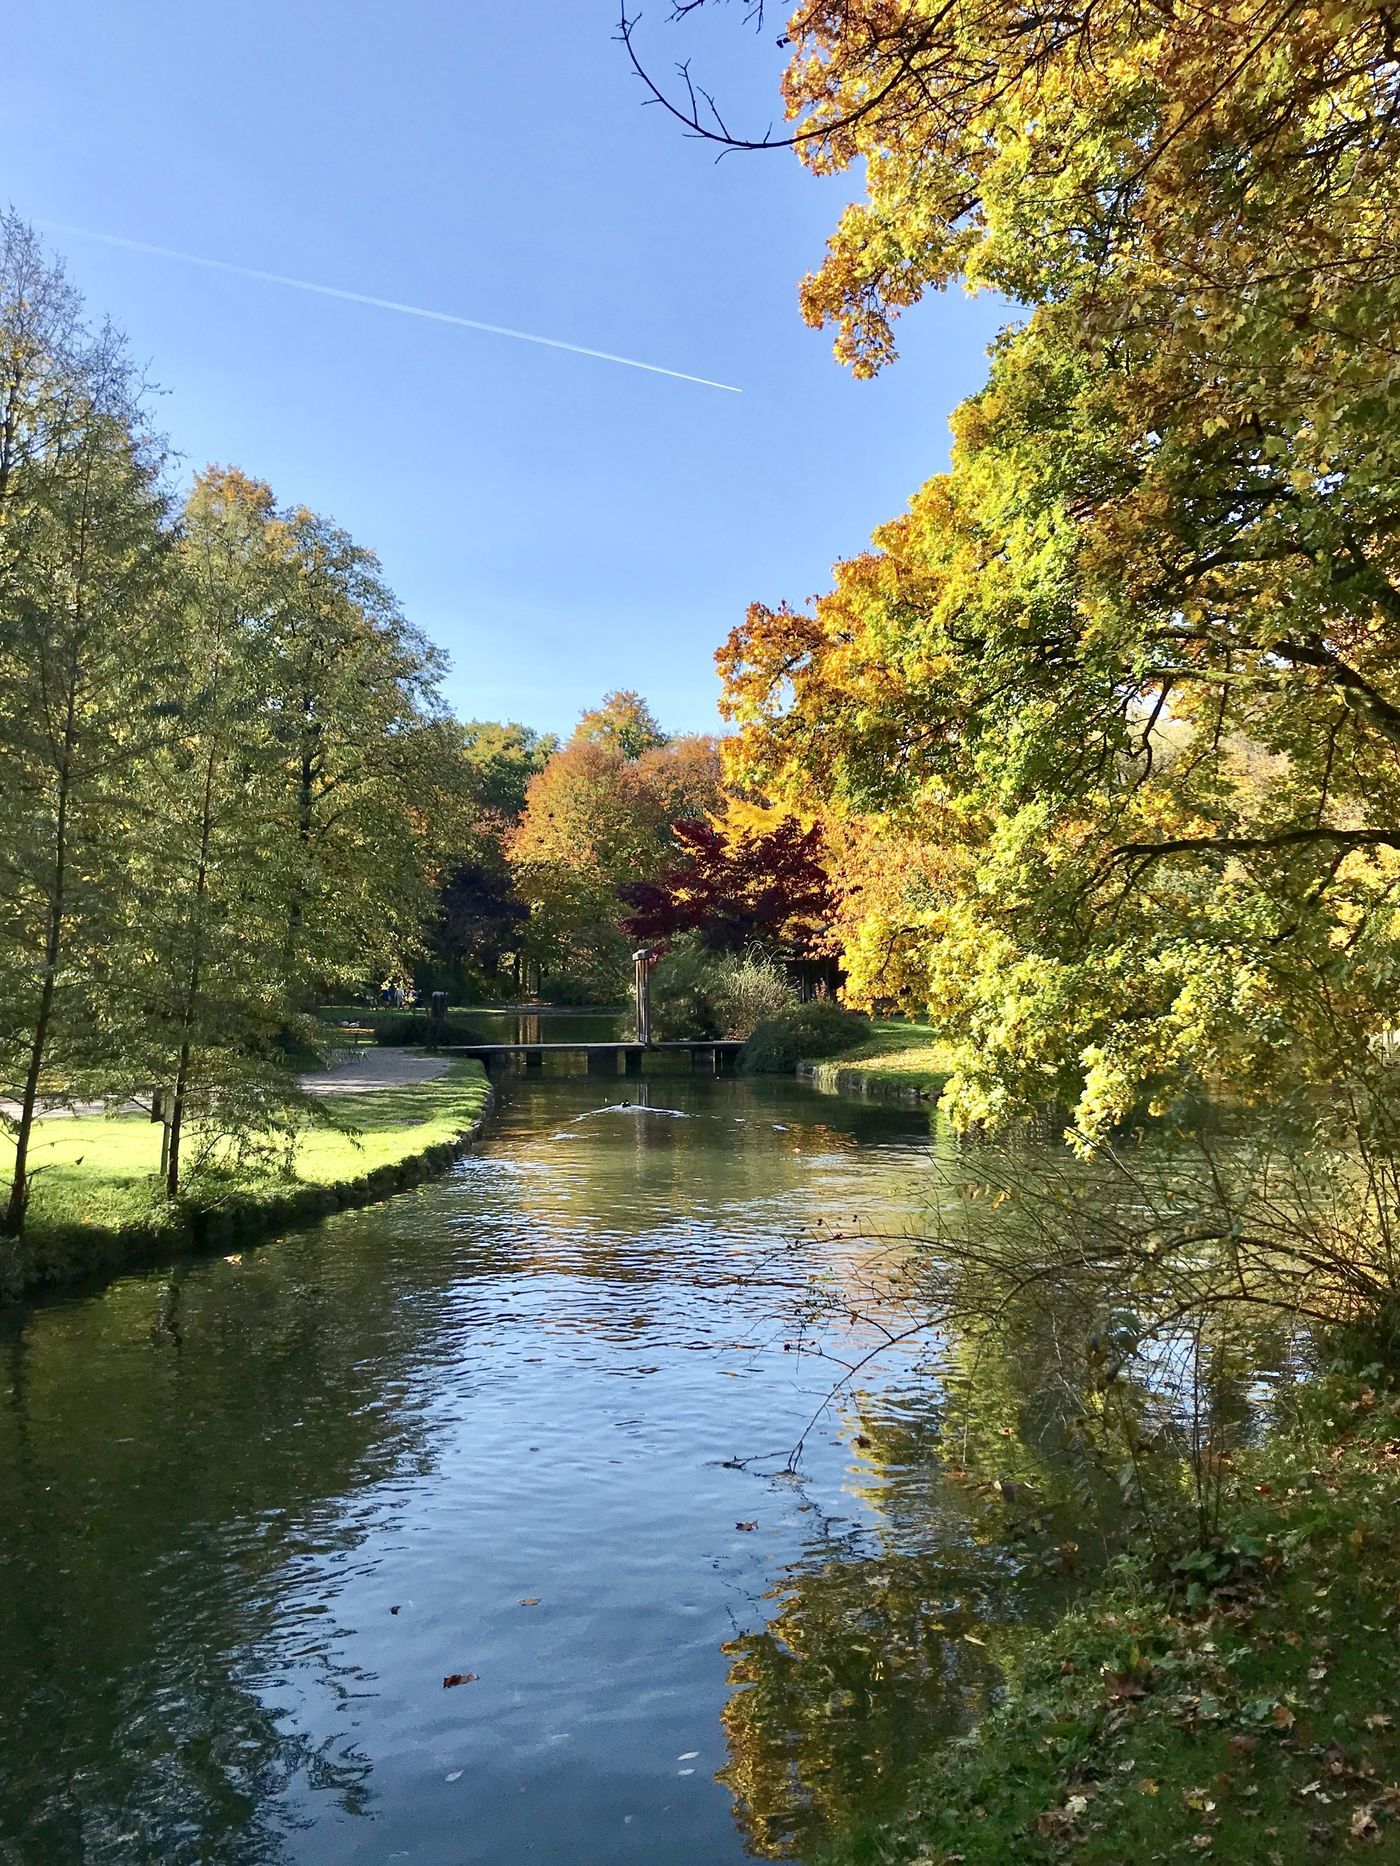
point(455, 1776)
point(458, 1678)
point(530, 1600)
point(393, 1609)
point(685, 1771)
point(689, 1756)
point(746, 1526)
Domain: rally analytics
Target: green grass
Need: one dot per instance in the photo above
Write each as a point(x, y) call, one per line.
point(898, 1056)
point(1250, 1718)
point(96, 1175)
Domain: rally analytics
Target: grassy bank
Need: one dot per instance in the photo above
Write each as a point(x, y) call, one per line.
point(899, 1059)
point(1243, 1708)
point(96, 1204)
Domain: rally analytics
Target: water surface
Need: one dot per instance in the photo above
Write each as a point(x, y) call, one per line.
point(530, 1424)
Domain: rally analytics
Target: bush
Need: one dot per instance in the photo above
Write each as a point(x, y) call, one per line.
point(682, 988)
point(699, 993)
point(807, 1031)
point(748, 991)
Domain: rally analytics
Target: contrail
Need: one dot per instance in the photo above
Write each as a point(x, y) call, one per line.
point(384, 304)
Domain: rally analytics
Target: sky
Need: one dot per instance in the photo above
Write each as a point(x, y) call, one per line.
point(559, 524)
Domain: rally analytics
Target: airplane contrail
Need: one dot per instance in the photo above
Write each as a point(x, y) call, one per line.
point(384, 304)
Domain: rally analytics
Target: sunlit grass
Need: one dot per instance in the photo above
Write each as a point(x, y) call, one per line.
point(101, 1170)
point(897, 1054)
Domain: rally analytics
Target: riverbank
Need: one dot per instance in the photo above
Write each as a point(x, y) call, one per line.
point(899, 1060)
point(96, 1207)
point(1243, 1710)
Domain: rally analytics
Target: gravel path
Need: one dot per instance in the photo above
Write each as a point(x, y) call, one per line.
point(374, 1067)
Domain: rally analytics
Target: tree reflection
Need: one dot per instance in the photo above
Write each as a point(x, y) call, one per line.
point(995, 1481)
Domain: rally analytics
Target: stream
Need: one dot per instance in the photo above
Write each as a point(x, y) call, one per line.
point(529, 1427)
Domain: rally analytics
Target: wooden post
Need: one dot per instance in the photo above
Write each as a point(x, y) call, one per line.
point(534, 1059)
point(641, 961)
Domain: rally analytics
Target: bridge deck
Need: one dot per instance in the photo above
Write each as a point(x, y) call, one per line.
point(616, 1048)
point(705, 1053)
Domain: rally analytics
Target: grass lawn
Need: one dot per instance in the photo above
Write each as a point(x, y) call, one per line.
point(99, 1170)
point(1250, 1718)
point(897, 1056)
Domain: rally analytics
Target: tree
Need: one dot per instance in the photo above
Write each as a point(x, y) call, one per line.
point(738, 889)
point(480, 918)
point(83, 633)
point(371, 802)
point(624, 723)
point(595, 818)
point(217, 990)
point(1167, 824)
point(499, 760)
point(1125, 673)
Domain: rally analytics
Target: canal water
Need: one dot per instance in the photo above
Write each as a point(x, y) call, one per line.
point(530, 1428)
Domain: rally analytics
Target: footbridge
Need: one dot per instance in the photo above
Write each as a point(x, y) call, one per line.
point(711, 1057)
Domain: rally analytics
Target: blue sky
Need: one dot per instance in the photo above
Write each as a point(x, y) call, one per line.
point(560, 525)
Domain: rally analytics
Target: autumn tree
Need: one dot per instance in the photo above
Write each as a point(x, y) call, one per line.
point(738, 888)
point(594, 819)
point(1125, 673)
point(624, 723)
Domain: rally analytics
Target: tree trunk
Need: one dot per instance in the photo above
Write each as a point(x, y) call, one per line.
point(175, 1125)
point(13, 1223)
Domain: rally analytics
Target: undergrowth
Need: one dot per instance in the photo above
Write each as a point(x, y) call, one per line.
point(1236, 1704)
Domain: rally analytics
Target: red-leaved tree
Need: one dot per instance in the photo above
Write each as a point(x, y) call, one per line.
point(738, 890)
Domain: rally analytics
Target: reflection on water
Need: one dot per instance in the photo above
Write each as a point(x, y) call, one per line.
point(528, 1424)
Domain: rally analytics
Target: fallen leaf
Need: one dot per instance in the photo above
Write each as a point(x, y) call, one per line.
point(455, 1776)
point(531, 1600)
point(1242, 1745)
point(746, 1526)
point(1283, 1717)
point(1363, 1824)
point(458, 1678)
point(1124, 1685)
point(393, 1609)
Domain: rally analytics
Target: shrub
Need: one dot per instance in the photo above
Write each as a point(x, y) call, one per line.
point(682, 988)
point(806, 1031)
point(699, 993)
point(749, 990)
